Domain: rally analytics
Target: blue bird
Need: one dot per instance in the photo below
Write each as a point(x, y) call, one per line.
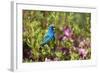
point(50, 35)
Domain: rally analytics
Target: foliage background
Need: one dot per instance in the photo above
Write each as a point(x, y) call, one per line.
point(35, 25)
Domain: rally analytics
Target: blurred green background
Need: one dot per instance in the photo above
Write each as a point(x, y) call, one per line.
point(75, 46)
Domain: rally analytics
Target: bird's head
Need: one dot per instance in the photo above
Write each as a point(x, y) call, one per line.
point(51, 27)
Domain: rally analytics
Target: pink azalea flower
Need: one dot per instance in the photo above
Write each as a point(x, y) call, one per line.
point(67, 32)
point(82, 52)
point(64, 38)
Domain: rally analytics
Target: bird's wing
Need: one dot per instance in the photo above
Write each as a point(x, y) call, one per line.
point(46, 40)
point(46, 37)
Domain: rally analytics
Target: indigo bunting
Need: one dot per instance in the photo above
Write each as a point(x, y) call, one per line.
point(50, 35)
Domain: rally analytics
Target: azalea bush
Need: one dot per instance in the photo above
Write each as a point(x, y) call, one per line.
point(72, 36)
